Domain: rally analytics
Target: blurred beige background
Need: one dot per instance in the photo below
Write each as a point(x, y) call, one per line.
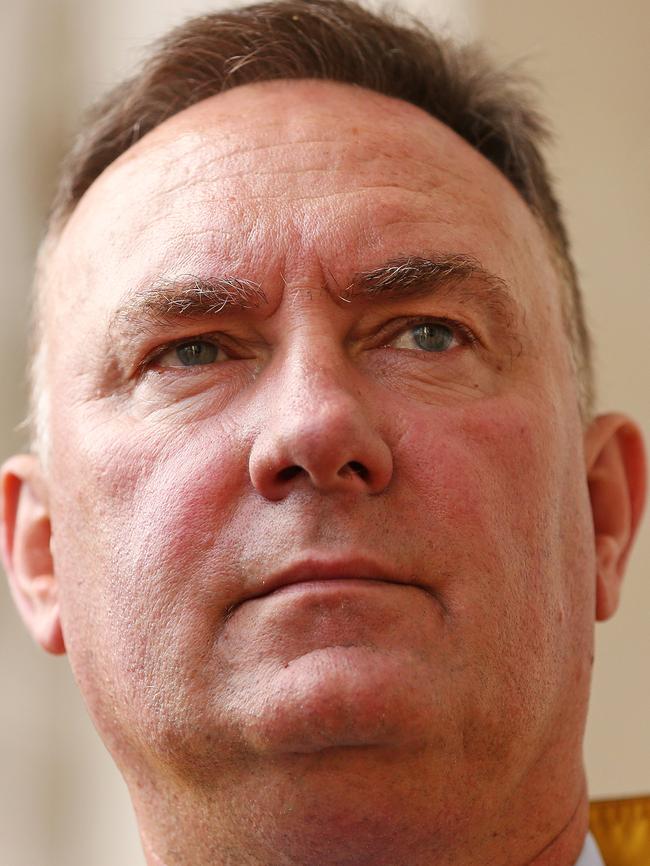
point(61, 801)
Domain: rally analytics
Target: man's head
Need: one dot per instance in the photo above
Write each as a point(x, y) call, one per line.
point(336, 41)
point(324, 525)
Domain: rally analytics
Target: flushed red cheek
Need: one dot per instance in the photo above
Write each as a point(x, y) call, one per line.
point(150, 577)
point(488, 477)
point(140, 520)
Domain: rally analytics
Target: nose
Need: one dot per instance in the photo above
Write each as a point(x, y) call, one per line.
point(318, 432)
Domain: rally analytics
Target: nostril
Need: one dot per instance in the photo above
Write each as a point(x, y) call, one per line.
point(289, 473)
point(357, 469)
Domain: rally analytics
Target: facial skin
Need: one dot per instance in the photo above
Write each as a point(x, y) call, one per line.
point(427, 706)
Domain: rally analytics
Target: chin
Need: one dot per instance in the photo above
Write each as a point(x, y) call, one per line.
point(336, 697)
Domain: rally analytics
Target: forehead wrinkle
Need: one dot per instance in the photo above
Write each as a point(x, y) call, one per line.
point(313, 171)
point(208, 149)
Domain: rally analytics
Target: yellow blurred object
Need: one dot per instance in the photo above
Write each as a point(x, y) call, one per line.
point(622, 830)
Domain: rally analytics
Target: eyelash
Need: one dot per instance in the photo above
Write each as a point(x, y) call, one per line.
point(465, 334)
point(389, 332)
point(160, 351)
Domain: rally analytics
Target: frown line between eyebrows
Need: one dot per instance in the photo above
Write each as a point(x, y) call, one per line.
point(168, 301)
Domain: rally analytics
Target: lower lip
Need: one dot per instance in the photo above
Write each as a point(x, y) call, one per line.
point(335, 585)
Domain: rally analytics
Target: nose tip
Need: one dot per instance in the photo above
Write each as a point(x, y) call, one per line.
point(334, 449)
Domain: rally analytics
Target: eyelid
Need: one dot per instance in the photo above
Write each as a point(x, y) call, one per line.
point(218, 340)
point(466, 335)
point(390, 331)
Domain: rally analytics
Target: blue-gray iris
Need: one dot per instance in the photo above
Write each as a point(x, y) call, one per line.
point(433, 337)
point(198, 352)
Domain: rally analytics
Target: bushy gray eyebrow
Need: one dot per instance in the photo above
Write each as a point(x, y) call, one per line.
point(442, 275)
point(188, 297)
point(416, 273)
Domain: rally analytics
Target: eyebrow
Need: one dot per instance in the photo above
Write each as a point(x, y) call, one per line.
point(414, 276)
point(185, 297)
point(189, 297)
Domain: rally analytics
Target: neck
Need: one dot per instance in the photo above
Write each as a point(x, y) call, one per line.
point(353, 821)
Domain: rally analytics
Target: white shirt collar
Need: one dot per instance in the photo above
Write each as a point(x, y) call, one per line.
point(590, 855)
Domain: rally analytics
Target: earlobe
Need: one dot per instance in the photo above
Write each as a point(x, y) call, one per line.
point(26, 550)
point(616, 476)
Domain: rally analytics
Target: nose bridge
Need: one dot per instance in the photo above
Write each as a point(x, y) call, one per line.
point(319, 428)
point(318, 377)
point(316, 408)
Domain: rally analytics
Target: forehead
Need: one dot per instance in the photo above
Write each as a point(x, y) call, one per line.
point(280, 175)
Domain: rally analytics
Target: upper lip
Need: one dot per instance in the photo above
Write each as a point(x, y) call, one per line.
point(326, 568)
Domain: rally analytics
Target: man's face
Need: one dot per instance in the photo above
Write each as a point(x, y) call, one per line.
point(406, 454)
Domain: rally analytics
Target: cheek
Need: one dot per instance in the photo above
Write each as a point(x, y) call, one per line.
point(482, 468)
point(136, 533)
point(494, 487)
point(146, 568)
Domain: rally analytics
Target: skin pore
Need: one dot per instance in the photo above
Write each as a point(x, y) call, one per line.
point(326, 554)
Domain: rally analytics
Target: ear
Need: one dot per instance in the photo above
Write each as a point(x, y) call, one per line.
point(616, 475)
point(26, 550)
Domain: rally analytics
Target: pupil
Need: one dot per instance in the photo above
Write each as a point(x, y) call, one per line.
point(192, 354)
point(433, 338)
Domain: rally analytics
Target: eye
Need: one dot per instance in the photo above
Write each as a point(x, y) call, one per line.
point(432, 336)
point(191, 353)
